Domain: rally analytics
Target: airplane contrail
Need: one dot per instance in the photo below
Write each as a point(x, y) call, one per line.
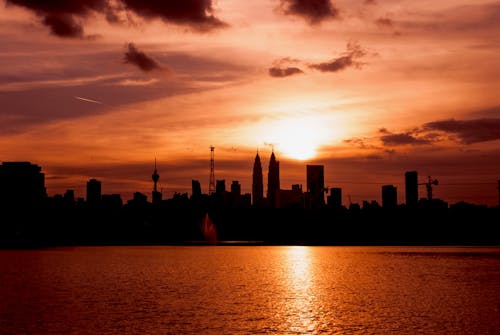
point(89, 100)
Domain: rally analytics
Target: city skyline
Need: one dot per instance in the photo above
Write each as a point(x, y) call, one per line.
point(368, 89)
point(26, 179)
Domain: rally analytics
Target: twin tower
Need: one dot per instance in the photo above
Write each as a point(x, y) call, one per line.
point(273, 182)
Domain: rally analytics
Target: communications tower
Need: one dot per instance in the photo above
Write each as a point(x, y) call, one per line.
point(156, 195)
point(211, 185)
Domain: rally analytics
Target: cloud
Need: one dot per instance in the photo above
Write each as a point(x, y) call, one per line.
point(468, 131)
point(62, 17)
point(284, 72)
point(384, 22)
point(370, 2)
point(402, 139)
point(285, 67)
point(314, 11)
point(67, 18)
point(198, 14)
point(140, 59)
point(348, 59)
point(361, 143)
point(462, 131)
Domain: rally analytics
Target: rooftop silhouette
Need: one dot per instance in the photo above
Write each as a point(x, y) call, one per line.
point(289, 216)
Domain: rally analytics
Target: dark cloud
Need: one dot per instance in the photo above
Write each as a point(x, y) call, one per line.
point(285, 67)
point(361, 143)
point(140, 59)
point(334, 65)
point(67, 18)
point(198, 14)
point(348, 59)
point(402, 139)
point(468, 131)
point(63, 26)
point(370, 2)
point(64, 18)
point(462, 131)
point(285, 72)
point(384, 22)
point(314, 11)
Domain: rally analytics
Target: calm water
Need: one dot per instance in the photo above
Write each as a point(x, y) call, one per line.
point(228, 290)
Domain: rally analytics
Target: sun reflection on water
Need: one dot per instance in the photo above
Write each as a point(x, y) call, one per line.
point(302, 312)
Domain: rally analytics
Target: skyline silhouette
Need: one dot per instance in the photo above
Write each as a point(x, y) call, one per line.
point(24, 179)
point(317, 193)
point(290, 216)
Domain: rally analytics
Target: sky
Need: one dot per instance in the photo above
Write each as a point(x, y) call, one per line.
point(367, 88)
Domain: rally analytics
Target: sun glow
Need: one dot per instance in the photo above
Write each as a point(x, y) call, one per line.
point(298, 138)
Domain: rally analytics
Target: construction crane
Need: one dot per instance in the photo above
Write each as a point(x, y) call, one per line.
point(428, 185)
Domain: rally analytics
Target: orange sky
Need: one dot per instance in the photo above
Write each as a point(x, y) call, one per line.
point(370, 89)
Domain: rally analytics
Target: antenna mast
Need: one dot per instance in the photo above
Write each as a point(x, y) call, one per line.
point(211, 186)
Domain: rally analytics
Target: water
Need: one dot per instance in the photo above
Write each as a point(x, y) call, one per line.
point(246, 290)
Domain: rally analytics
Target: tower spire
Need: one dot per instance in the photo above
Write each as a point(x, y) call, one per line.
point(211, 185)
point(257, 182)
point(155, 176)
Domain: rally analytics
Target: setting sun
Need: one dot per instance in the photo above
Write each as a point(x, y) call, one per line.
point(296, 137)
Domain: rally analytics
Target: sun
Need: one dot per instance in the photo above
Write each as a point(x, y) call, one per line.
point(298, 138)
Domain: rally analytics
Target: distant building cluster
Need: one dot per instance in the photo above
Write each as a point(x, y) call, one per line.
point(22, 184)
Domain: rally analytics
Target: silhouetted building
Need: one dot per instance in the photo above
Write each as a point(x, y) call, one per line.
point(211, 185)
point(370, 205)
point(273, 180)
point(335, 197)
point(139, 201)
point(80, 202)
point(316, 185)
point(111, 201)
point(93, 192)
point(220, 187)
point(156, 196)
point(235, 188)
point(246, 200)
point(389, 196)
point(195, 188)
point(498, 187)
point(257, 183)
point(69, 198)
point(354, 207)
point(21, 184)
point(293, 198)
point(411, 188)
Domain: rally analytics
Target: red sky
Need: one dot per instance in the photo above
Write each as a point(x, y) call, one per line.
point(370, 89)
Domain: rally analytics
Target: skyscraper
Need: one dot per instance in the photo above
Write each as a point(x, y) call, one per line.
point(258, 183)
point(195, 188)
point(93, 192)
point(220, 187)
point(273, 180)
point(21, 184)
point(389, 196)
point(235, 188)
point(411, 188)
point(316, 185)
